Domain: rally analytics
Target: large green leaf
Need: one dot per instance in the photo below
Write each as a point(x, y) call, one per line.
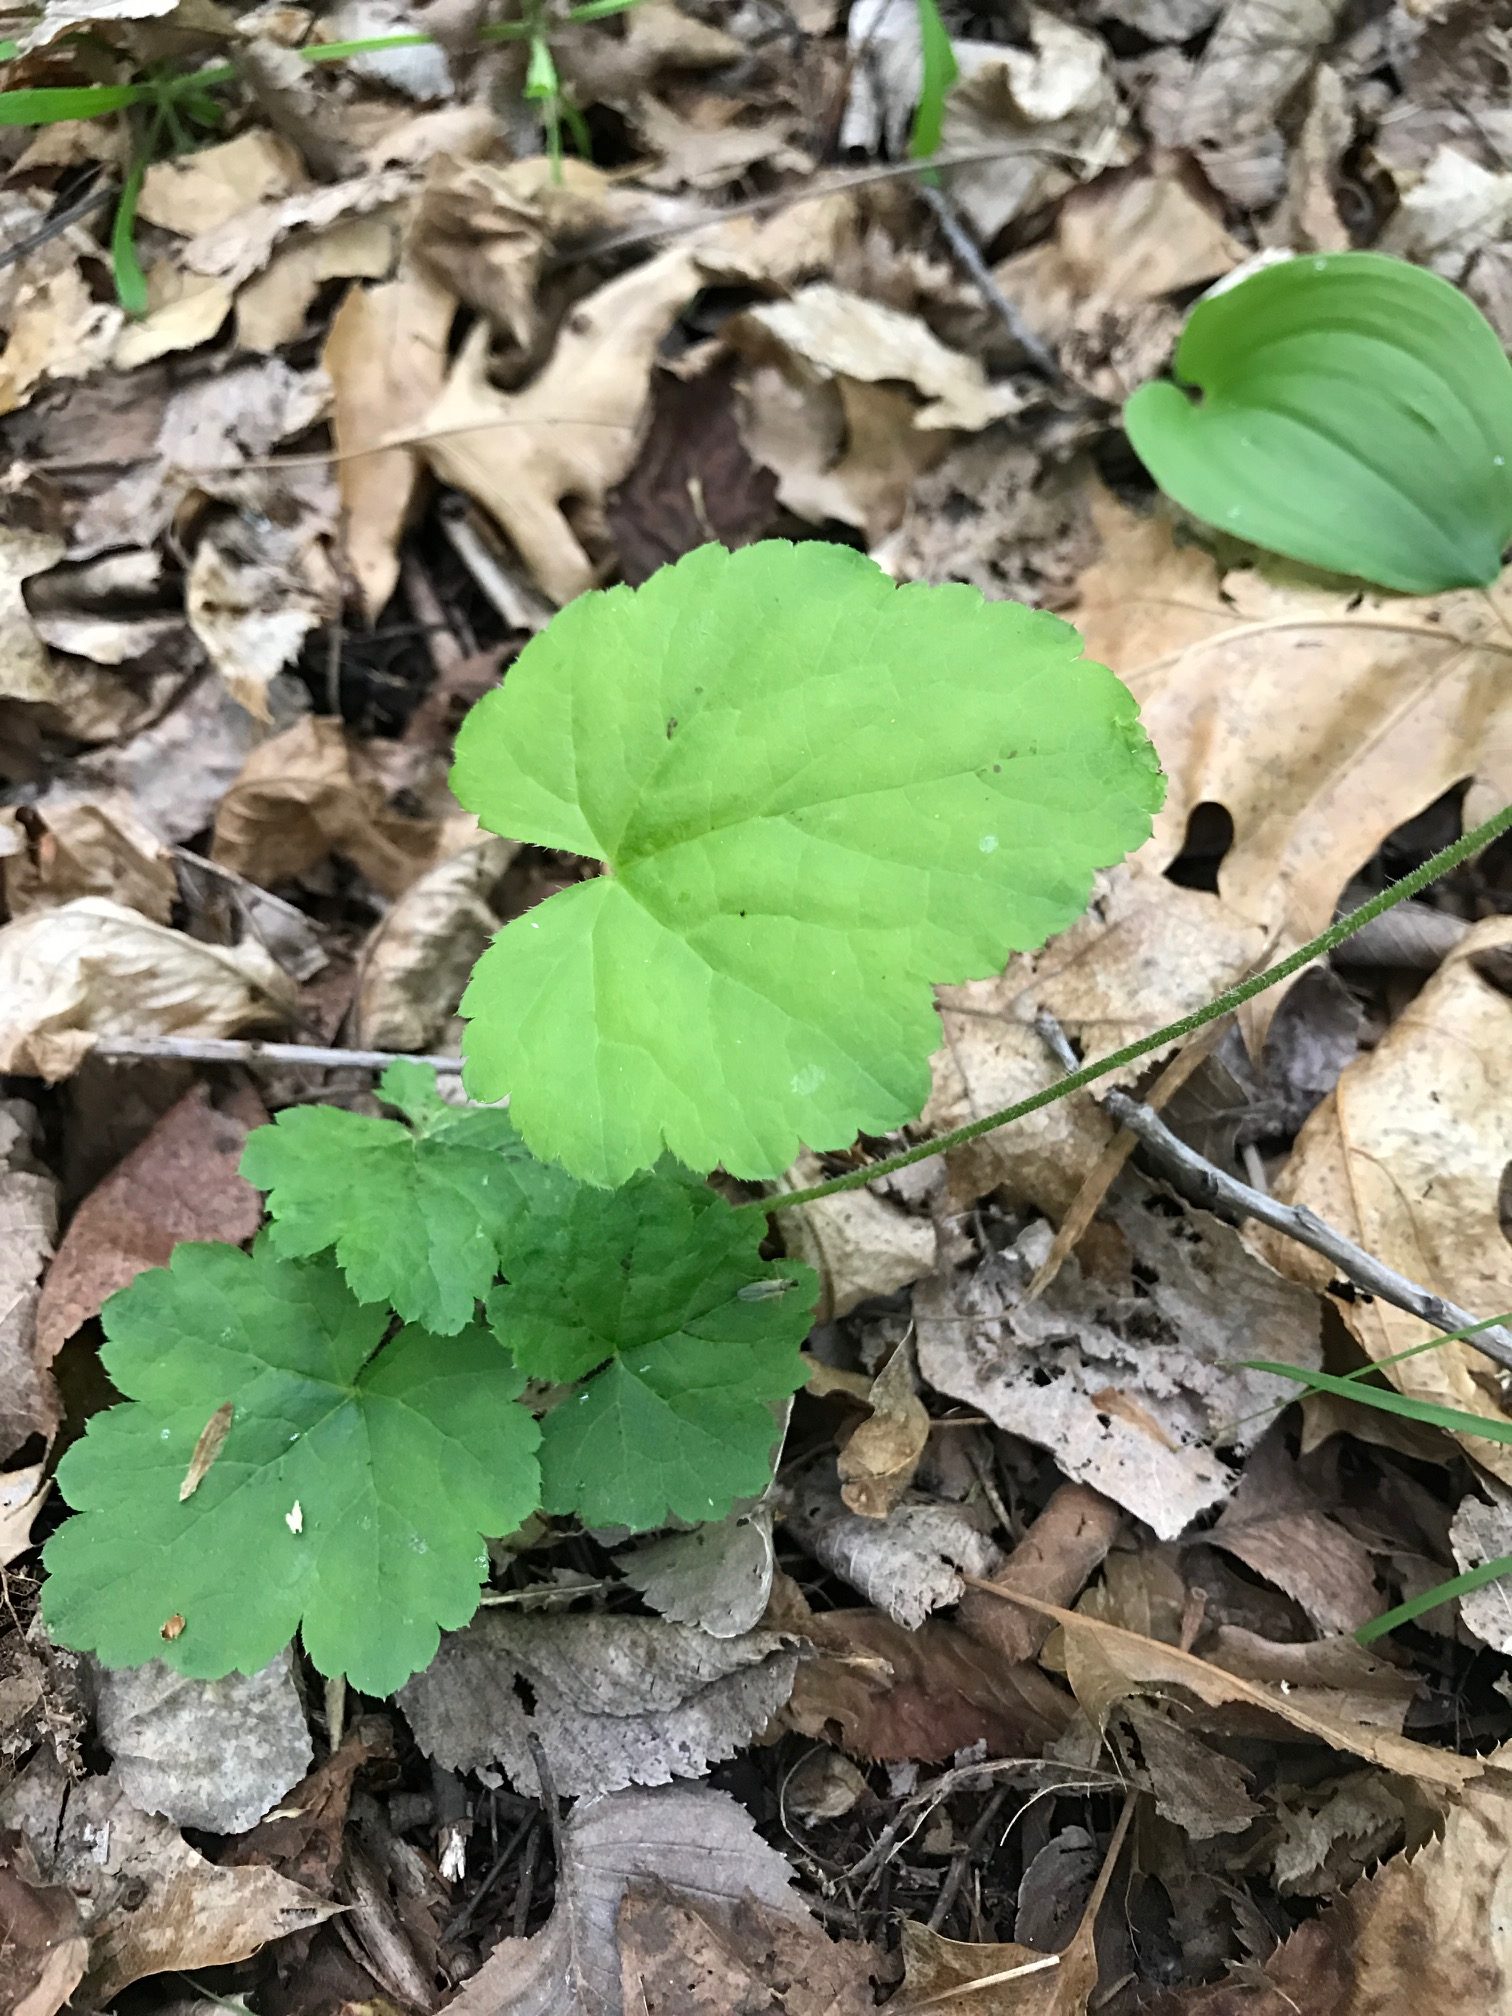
point(415, 1218)
point(814, 793)
point(658, 1291)
point(353, 1490)
point(1355, 413)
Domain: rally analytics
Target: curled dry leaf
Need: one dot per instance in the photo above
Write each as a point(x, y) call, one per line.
point(1406, 1158)
point(65, 848)
point(1482, 1532)
point(22, 1494)
point(1130, 1370)
point(181, 1182)
point(95, 969)
point(880, 1455)
point(1258, 55)
point(571, 432)
point(857, 1243)
point(617, 1700)
point(261, 581)
point(206, 189)
point(416, 963)
point(385, 355)
point(28, 1227)
point(43, 1951)
point(25, 668)
point(271, 308)
point(149, 1904)
point(717, 1577)
point(909, 1562)
point(687, 1836)
point(309, 793)
point(215, 1754)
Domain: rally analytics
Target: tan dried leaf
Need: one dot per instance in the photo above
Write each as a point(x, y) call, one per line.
point(92, 968)
point(879, 1457)
point(202, 191)
point(682, 1954)
point(1406, 1158)
point(571, 433)
point(58, 330)
point(1482, 1532)
point(309, 793)
point(416, 963)
point(271, 308)
point(385, 355)
point(22, 1495)
point(149, 1903)
point(43, 1953)
point(84, 847)
point(857, 1243)
point(25, 669)
point(28, 1227)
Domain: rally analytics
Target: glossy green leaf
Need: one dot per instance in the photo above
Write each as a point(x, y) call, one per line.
point(815, 793)
point(414, 1217)
point(1354, 413)
point(350, 1499)
point(657, 1296)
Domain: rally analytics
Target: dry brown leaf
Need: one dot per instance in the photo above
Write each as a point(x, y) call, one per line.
point(65, 848)
point(615, 1700)
point(58, 330)
point(233, 251)
point(857, 1243)
point(177, 771)
point(204, 190)
point(149, 1903)
point(28, 1227)
point(826, 333)
point(1144, 953)
point(43, 1952)
point(261, 581)
point(1406, 1158)
point(717, 1577)
point(1431, 1929)
point(910, 1563)
point(1338, 1675)
point(568, 435)
point(271, 309)
point(180, 1183)
point(878, 1458)
point(691, 1837)
point(1321, 720)
point(1482, 1532)
point(1259, 53)
point(1276, 1525)
point(416, 963)
point(58, 17)
point(1194, 1786)
point(94, 969)
point(681, 1955)
point(309, 793)
point(1105, 1664)
point(22, 1495)
point(25, 670)
point(1130, 1367)
point(846, 450)
point(385, 355)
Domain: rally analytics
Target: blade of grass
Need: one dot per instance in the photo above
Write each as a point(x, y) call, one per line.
point(50, 103)
point(1455, 1419)
point(940, 72)
point(1430, 1599)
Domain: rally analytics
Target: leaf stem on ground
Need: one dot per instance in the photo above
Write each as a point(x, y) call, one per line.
point(1432, 869)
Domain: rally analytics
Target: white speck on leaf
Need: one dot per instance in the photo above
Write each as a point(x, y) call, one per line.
point(294, 1517)
point(988, 843)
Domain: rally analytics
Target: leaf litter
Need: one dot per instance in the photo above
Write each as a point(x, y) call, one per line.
point(401, 387)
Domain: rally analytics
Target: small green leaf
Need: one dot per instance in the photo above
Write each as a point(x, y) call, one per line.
point(1355, 414)
point(353, 1490)
point(940, 71)
point(415, 1219)
point(642, 1289)
point(816, 794)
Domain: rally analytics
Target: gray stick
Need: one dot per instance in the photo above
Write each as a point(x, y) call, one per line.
point(1212, 1185)
point(243, 1050)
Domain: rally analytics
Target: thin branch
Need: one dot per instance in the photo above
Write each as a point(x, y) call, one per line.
point(969, 255)
point(1209, 1185)
point(1234, 997)
point(249, 1050)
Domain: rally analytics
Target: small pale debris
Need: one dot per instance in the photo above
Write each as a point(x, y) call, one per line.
point(294, 1517)
point(212, 1439)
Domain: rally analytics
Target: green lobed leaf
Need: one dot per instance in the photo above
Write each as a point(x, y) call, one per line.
point(414, 1218)
point(1355, 414)
point(657, 1291)
point(398, 1459)
point(815, 793)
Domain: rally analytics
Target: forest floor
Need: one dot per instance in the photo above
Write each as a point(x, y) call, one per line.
point(392, 386)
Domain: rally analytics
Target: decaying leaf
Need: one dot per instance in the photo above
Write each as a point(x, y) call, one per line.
point(1130, 1373)
point(25, 672)
point(43, 1952)
point(84, 847)
point(717, 1577)
point(22, 1495)
point(880, 1455)
point(1194, 1785)
point(385, 355)
point(688, 1836)
point(1482, 1532)
point(28, 1227)
point(309, 793)
point(684, 1955)
point(215, 1754)
point(260, 582)
point(94, 969)
point(857, 1243)
point(417, 960)
point(148, 1903)
point(181, 1182)
point(1406, 1158)
point(617, 1700)
point(909, 1562)
point(1277, 1526)
point(571, 433)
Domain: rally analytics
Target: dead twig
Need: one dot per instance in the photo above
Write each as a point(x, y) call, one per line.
point(969, 256)
point(252, 1050)
point(1209, 1185)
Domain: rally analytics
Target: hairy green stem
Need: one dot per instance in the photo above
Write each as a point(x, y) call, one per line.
point(1235, 997)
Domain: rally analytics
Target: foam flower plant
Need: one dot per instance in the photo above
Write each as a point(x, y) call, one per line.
point(810, 795)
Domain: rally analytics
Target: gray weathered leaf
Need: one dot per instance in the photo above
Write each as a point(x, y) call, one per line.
point(717, 1577)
